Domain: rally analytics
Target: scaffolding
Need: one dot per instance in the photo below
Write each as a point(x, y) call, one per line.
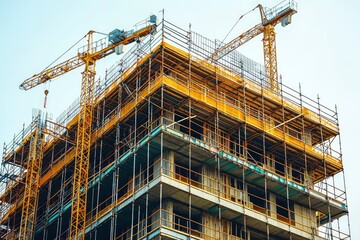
point(186, 148)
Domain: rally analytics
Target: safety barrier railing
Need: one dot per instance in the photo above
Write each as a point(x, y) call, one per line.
point(10, 176)
point(142, 131)
point(17, 141)
point(203, 48)
point(225, 142)
point(221, 185)
point(221, 97)
point(145, 130)
point(231, 188)
point(16, 200)
point(67, 115)
point(199, 44)
point(128, 60)
point(53, 205)
point(133, 185)
point(330, 232)
point(242, 66)
point(278, 8)
point(56, 158)
point(331, 191)
point(181, 224)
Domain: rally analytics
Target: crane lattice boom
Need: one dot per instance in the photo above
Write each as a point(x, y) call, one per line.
point(79, 60)
point(269, 18)
point(237, 42)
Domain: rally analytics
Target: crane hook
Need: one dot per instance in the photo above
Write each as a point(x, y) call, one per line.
point(46, 92)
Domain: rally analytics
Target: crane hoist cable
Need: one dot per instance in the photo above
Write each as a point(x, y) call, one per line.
point(237, 23)
point(65, 52)
point(46, 91)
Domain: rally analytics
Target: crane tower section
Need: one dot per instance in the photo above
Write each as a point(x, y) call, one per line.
point(270, 17)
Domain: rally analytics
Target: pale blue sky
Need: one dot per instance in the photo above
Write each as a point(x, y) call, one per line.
point(319, 49)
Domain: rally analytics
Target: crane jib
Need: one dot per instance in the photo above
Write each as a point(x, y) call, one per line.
point(78, 60)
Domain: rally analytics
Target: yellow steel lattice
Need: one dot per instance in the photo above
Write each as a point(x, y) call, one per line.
point(83, 146)
point(270, 60)
point(31, 183)
point(83, 141)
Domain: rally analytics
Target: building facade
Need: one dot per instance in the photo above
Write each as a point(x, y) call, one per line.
point(184, 147)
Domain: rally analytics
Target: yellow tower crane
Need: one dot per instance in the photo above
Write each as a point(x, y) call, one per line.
point(94, 51)
point(33, 166)
point(270, 17)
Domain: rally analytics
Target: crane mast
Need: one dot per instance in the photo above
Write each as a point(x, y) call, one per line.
point(83, 137)
point(32, 179)
point(270, 59)
point(269, 19)
point(83, 146)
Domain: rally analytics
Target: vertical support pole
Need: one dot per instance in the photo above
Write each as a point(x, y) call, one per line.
point(138, 79)
point(216, 142)
point(93, 189)
point(325, 168)
point(267, 204)
point(162, 122)
point(149, 129)
point(190, 130)
point(307, 169)
point(22, 151)
point(343, 173)
point(48, 197)
point(115, 183)
point(244, 154)
point(98, 189)
point(94, 201)
point(62, 194)
point(286, 167)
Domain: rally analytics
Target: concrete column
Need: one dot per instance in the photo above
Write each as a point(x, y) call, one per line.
point(209, 179)
point(210, 224)
point(304, 218)
point(168, 119)
point(272, 205)
point(307, 137)
point(270, 162)
point(156, 168)
point(155, 219)
point(308, 181)
point(289, 171)
point(168, 213)
point(169, 163)
point(299, 220)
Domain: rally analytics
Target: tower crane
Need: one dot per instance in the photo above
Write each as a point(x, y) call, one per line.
point(88, 56)
point(32, 177)
point(269, 19)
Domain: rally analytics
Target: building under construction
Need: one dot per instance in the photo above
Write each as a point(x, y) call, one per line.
point(183, 145)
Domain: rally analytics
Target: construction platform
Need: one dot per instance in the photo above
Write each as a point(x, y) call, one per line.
point(184, 147)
